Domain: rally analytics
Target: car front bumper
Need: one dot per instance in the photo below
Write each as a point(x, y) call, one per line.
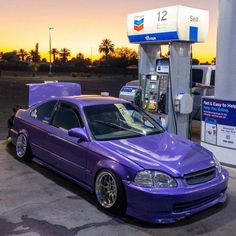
point(173, 204)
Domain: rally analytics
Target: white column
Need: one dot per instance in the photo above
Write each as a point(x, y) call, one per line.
point(225, 84)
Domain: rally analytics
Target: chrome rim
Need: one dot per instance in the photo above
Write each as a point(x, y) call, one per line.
point(21, 145)
point(106, 189)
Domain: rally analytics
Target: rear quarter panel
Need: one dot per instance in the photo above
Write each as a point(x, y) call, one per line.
point(19, 124)
point(24, 123)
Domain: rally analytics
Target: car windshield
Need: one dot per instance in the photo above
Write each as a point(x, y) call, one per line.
point(119, 121)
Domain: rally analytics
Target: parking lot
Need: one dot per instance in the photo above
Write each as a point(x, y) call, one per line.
point(36, 201)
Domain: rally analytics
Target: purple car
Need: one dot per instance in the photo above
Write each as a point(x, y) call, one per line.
point(117, 151)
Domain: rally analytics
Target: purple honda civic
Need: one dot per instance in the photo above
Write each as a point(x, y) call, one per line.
point(118, 152)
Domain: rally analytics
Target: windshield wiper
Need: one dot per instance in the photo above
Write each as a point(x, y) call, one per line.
point(156, 132)
point(118, 126)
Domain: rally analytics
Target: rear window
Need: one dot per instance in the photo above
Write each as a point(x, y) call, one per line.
point(43, 112)
point(133, 83)
point(197, 75)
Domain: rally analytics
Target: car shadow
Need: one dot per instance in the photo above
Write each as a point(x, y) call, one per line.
point(55, 177)
point(86, 195)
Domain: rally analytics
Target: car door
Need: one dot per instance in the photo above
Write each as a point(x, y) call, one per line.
point(68, 153)
point(198, 76)
point(38, 128)
point(211, 91)
point(205, 76)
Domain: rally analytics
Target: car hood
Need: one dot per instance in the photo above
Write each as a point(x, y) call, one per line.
point(165, 152)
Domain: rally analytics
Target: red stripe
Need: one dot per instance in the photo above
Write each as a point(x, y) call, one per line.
point(138, 28)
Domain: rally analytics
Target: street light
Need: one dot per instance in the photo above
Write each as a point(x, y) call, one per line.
point(91, 54)
point(50, 50)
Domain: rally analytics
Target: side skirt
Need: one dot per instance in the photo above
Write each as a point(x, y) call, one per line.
point(85, 186)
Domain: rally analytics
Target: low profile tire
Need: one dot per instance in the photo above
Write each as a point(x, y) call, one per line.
point(109, 192)
point(23, 150)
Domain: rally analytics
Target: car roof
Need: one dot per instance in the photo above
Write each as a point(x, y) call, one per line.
point(133, 83)
point(91, 100)
point(213, 67)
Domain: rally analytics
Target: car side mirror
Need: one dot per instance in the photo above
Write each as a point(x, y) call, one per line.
point(79, 133)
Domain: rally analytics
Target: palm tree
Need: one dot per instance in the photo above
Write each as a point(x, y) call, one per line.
point(106, 47)
point(64, 54)
point(55, 52)
point(31, 55)
point(22, 54)
point(81, 60)
point(80, 56)
point(35, 54)
point(213, 61)
point(195, 61)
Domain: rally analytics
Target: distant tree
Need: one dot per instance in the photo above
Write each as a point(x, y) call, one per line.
point(106, 47)
point(97, 62)
point(31, 56)
point(35, 57)
point(1, 54)
point(213, 61)
point(22, 54)
point(28, 57)
point(64, 54)
point(205, 63)
point(195, 61)
point(80, 60)
point(123, 57)
point(55, 52)
point(125, 52)
point(80, 56)
point(10, 56)
point(44, 60)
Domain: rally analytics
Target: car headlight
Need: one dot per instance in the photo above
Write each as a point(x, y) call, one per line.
point(154, 179)
point(217, 164)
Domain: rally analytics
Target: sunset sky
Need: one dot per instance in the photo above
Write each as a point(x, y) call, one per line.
point(82, 24)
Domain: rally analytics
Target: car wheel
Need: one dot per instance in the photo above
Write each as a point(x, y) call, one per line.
point(110, 192)
point(23, 150)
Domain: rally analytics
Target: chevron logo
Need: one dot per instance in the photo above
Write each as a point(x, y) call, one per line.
point(138, 23)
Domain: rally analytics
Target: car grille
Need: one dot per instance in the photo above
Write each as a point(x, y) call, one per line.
point(200, 176)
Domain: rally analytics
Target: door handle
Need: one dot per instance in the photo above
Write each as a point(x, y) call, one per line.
point(51, 135)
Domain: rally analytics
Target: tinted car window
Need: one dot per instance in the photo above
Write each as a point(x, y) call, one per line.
point(197, 75)
point(213, 77)
point(117, 121)
point(43, 112)
point(66, 118)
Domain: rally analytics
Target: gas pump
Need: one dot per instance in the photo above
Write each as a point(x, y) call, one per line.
point(156, 88)
point(165, 84)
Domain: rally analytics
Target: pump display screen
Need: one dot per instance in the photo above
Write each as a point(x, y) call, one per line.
point(162, 65)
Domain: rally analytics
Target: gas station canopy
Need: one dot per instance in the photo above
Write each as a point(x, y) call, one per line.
point(168, 24)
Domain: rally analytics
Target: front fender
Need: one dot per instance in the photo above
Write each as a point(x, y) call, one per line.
point(123, 172)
